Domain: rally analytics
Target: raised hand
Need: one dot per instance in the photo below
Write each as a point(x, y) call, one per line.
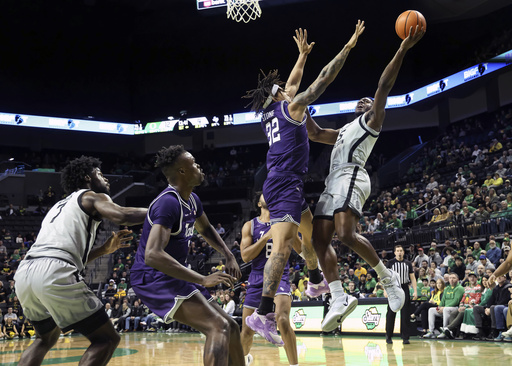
point(359, 30)
point(118, 240)
point(411, 40)
point(301, 38)
point(218, 278)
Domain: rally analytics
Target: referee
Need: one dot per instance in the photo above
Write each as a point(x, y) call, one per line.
point(406, 275)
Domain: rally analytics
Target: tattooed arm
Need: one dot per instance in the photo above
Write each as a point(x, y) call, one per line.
point(326, 77)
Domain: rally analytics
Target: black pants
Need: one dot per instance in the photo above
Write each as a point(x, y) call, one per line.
point(405, 317)
point(423, 310)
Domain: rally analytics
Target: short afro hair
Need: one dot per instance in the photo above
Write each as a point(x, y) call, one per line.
point(73, 175)
point(167, 156)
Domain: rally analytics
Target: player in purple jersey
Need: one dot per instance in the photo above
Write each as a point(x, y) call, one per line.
point(160, 276)
point(283, 120)
point(256, 246)
point(48, 281)
point(347, 188)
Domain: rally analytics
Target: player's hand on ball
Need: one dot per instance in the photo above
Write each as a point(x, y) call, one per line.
point(118, 240)
point(411, 40)
point(218, 278)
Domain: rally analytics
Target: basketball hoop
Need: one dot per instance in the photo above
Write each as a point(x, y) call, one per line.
point(243, 10)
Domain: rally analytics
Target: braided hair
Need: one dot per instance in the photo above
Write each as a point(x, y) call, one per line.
point(264, 89)
point(73, 175)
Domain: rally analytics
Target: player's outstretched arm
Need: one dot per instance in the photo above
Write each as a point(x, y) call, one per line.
point(159, 259)
point(101, 205)
point(293, 82)
point(376, 115)
point(318, 134)
point(213, 238)
point(501, 270)
point(248, 250)
point(326, 77)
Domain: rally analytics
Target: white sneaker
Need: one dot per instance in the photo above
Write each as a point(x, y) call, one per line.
point(508, 333)
point(396, 296)
point(339, 309)
point(248, 359)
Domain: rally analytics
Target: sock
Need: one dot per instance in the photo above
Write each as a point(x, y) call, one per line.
point(336, 289)
point(381, 270)
point(315, 277)
point(295, 365)
point(266, 305)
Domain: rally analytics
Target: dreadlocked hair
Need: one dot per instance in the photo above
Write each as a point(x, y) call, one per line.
point(73, 175)
point(264, 89)
point(167, 156)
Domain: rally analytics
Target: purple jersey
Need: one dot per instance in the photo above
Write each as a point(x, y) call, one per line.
point(258, 229)
point(171, 211)
point(287, 139)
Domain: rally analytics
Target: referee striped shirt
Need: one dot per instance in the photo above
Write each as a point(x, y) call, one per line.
point(403, 268)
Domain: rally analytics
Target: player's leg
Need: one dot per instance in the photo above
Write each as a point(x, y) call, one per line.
point(47, 335)
point(317, 285)
point(283, 306)
point(236, 352)
point(104, 339)
point(346, 223)
point(199, 314)
point(247, 334)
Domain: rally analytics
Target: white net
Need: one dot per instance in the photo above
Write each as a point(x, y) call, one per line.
point(243, 10)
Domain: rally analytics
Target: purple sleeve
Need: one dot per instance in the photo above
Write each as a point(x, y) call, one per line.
point(166, 211)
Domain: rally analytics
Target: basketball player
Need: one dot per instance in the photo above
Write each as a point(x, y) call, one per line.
point(256, 246)
point(48, 281)
point(283, 120)
point(160, 276)
point(347, 188)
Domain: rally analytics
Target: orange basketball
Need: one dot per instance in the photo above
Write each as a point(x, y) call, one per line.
point(408, 19)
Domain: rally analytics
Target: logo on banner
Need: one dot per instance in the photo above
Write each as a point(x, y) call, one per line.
point(371, 318)
point(299, 318)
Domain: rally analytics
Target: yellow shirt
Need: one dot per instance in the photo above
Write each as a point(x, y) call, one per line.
point(436, 297)
point(359, 272)
point(301, 284)
point(297, 294)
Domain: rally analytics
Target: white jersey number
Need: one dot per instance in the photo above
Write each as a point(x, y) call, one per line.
point(268, 246)
point(273, 134)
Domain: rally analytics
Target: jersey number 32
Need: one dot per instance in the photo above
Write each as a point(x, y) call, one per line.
point(272, 128)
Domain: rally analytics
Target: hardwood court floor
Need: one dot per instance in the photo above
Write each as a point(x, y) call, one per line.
point(148, 349)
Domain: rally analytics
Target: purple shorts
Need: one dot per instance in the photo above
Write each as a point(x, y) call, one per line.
point(162, 294)
point(284, 194)
point(255, 289)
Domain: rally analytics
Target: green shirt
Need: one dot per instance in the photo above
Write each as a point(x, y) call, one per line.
point(452, 296)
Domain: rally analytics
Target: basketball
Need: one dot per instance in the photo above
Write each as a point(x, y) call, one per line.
point(408, 19)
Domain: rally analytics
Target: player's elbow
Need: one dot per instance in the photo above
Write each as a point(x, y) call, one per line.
point(245, 257)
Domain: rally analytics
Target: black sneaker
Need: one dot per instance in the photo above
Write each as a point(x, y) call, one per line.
point(406, 341)
point(389, 340)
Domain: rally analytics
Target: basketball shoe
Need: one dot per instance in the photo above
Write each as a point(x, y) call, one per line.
point(339, 309)
point(265, 326)
point(396, 296)
point(315, 290)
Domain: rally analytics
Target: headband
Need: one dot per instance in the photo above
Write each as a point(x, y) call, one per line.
point(275, 88)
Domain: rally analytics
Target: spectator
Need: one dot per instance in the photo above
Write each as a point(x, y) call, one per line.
point(3, 248)
point(108, 310)
point(452, 296)
point(10, 328)
point(220, 230)
point(420, 258)
point(446, 261)
point(11, 211)
point(110, 293)
point(359, 270)
point(471, 297)
point(126, 311)
point(434, 257)
point(229, 304)
point(468, 323)
point(500, 296)
point(459, 268)
point(493, 254)
point(353, 290)
point(296, 296)
point(435, 300)
point(471, 264)
point(486, 263)
point(132, 322)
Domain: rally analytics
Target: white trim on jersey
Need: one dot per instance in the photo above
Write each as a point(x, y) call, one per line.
point(181, 209)
point(289, 119)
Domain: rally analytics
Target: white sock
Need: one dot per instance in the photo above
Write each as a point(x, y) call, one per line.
point(381, 270)
point(336, 289)
point(295, 365)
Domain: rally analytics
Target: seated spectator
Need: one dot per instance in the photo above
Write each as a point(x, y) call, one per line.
point(459, 268)
point(471, 264)
point(486, 263)
point(119, 266)
point(446, 261)
point(296, 295)
point(434, 257)
point(471, 297)
point(110, 293)
point(468, 323)
point(220, 267)
point(123, 285)
point(493, 254)
point(452, 296)
point(11, 211)
point(3, 248)
point(494, 309)
point(435, 300)
point(353, 290)
point(10, 329)
point(132, 322)
point(359, 270)
point(126, 311)
point(220, 230)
